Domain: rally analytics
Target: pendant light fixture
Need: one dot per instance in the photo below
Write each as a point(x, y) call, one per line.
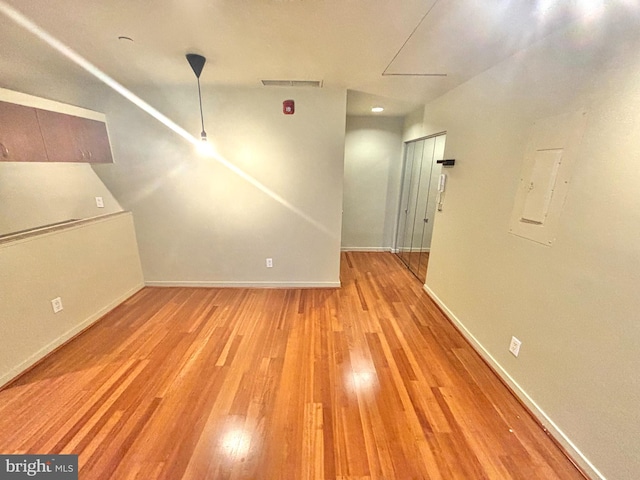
point(197, 64)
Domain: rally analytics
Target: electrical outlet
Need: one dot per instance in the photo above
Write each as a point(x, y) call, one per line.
point(269, 262)
point(99, 202)
point(56, 304)
point(514, 346)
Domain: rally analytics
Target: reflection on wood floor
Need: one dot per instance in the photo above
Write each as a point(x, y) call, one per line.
point(369, 381)
point(417, 262)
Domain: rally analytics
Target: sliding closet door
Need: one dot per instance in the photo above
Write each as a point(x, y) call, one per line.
point(404, 198)
point(430, 207)
point(418, 202)
point(420, 222)
point(412, 202)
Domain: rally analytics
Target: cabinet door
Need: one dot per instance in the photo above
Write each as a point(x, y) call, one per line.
point(74, 139)
point(20, 137)
point(63, 138)
point(96, 141)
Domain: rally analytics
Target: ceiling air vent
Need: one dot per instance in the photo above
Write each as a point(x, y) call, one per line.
point(292, 83)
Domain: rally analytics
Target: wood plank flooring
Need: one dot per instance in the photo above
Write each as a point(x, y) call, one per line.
point(369, 381)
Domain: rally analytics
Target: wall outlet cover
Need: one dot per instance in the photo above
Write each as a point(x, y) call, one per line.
point(56, 304)
point(514, 346)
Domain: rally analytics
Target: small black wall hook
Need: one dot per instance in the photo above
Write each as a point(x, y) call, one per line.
point(447, 163)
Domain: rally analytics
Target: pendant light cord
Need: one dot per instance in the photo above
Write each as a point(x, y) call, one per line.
point(201, 114)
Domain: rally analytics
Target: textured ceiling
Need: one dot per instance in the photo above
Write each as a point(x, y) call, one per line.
point(380, 50)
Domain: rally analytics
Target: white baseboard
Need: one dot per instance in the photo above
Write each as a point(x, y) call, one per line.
point(208, 284)
point(535, 409)
point(365, 249)
point(44, 351)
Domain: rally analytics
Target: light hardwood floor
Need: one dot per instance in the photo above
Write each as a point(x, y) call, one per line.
point(369, 381)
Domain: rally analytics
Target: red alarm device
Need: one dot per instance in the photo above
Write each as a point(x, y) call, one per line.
point(288, 107)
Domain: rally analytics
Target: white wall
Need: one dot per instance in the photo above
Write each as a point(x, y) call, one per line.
point(573, 305)
point(40, 193)
point(414, 127)
point(372, 170)
point(200, 223)
point(37, 194)
point(92, 266)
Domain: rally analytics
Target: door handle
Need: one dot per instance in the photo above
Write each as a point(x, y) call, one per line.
point(426, 220)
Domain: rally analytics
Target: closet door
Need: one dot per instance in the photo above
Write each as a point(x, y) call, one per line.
point(430, 207)
point(412, 202)
point(418, 202)
point(420, 221)
point(404, 197)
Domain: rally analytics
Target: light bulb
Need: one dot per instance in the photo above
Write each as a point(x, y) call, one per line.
point(205, 148)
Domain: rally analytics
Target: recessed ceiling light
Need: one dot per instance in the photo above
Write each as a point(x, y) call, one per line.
point(377, 109)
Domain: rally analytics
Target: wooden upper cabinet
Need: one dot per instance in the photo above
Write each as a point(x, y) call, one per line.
point(61, 134)
point(96, 138)
point(68, 138)
point(20, 137)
